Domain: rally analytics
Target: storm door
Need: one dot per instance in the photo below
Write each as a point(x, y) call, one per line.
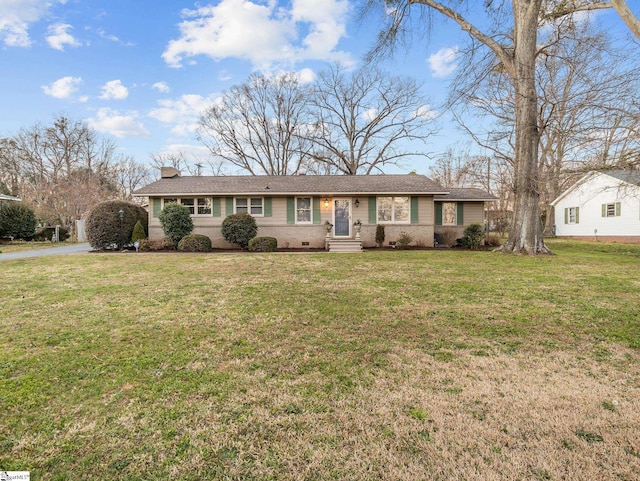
point(342, 217)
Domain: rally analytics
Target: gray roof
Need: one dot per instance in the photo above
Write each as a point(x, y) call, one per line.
point(466, 194)
point(630, 176)
point(297, 184)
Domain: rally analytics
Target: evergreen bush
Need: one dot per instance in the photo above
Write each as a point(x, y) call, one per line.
point(239, 229)
point(380, 235)
point(176, 222)
point(473, 236)
point(138, 233)
point(17, 221)
point(263, 244)
point(195, 243)
point(106, 230)
point(156, 245)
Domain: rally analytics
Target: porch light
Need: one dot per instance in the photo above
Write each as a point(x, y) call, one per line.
point(326, 203)
point(357, 203)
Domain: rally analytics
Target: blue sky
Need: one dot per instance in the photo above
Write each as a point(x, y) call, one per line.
point(142, 70)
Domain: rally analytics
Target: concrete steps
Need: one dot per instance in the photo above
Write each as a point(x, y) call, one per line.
point(345, 245)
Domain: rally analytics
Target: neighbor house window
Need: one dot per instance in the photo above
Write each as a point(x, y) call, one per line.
point(249, 205)
point(303, 210)
point(449, 213)
point(572, 215)
point(393, 209)
point(611, 210)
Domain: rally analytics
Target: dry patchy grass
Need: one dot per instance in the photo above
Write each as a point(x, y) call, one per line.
point(393, 365)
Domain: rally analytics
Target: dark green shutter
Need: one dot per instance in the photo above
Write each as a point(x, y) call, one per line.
point(229, 209)
point(566, 215)
point(577, 215)
point(267, 207)
point(438, 213)
point(604, 210)
point(216, 207)
point(291, 210)
point(373, 212)
point(316, 210)
point(460, 213)
point(618, 209)
point(157, 206)
point(414, 210)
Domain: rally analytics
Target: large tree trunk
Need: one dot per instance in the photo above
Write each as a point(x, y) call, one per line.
point(525, 233)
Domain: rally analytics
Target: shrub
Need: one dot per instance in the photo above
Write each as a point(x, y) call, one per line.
point(404, 240)
point(472, 236)
point(263, 244)
point(156, 245)
point(239, 229)
point(106, 230)
point(195, 243)
point(379, 235)
point(176, 221)
point(493, 240)
point(138, 233)
point(47, 233)
point(17, 221)
point(449, 236)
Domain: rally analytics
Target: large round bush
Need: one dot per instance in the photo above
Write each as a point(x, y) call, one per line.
point(263, 244)
point(239, 229)
point(17, 221)
point(195, 243)
point(105, 229)
point(176, 222)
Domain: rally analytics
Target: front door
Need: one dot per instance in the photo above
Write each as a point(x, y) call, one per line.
point(342, 217)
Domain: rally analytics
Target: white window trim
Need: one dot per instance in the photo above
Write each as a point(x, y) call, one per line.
point(195, 204)
point(393, 210)
point(305, 222)
point(235, 205)
point(572, 219)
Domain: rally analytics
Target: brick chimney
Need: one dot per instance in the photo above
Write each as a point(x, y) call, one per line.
point(169, 172)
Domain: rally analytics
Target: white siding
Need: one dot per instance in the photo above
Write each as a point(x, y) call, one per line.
point(589, 197)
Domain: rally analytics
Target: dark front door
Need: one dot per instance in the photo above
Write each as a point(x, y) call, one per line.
point(342, 217)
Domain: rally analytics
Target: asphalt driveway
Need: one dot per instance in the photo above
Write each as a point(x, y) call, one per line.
point(67, 249)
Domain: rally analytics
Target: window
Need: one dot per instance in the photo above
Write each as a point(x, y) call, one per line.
point(611, 210)
point(249, 205)
point(393, 209)
point(168, 200)
point(303, 210)
point(204, 206)
point(196, 205)
point(189, 203)
point(572, 214)
point(449, 213)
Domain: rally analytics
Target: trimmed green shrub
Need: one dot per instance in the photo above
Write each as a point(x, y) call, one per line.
point(239, 229)
point(47, 233)
point(472, 236)
point(380, 235)
point(149, 245)
point(176, 221)
point(138, 233)
point(195, 243)
point(404, 240)
point(107, 230)
point(263, 244)
point(17, 221)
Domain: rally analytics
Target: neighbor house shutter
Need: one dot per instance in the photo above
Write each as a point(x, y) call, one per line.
point(268, 212)
point(438, 213)
point(229, 208)
point(577, 215)
point(157, 206)
point(618, 209)
point(414, 210)
point(216, 207)
point(604, 210)
point(373, 211)
point(291, 210)
point(316, 210)
point(566, 215)
point(460, 213)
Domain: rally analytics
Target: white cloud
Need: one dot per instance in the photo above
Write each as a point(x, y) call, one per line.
point(114, 90)
point(443, 62)
point(17, 15)
point(59, 36)
point(309, 30)
point(114, 123)
point(161, 87)
point(184, 113)
point(62, 88)
point(370, 114)
point(426, 112)
point(306, 75)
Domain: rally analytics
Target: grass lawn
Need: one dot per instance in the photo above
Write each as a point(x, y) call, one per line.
point(20, 246)
point(395, 365)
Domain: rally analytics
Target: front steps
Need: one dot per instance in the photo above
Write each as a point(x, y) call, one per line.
point(344, 245)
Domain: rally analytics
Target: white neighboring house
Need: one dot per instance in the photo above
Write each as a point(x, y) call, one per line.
point(601, 205)
point(9, 197)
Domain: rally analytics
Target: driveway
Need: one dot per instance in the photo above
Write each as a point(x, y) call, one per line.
point(67, 249)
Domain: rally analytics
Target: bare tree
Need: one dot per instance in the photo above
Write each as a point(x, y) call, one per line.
point(259, 126)
point(365, 120)
point(515, 49)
